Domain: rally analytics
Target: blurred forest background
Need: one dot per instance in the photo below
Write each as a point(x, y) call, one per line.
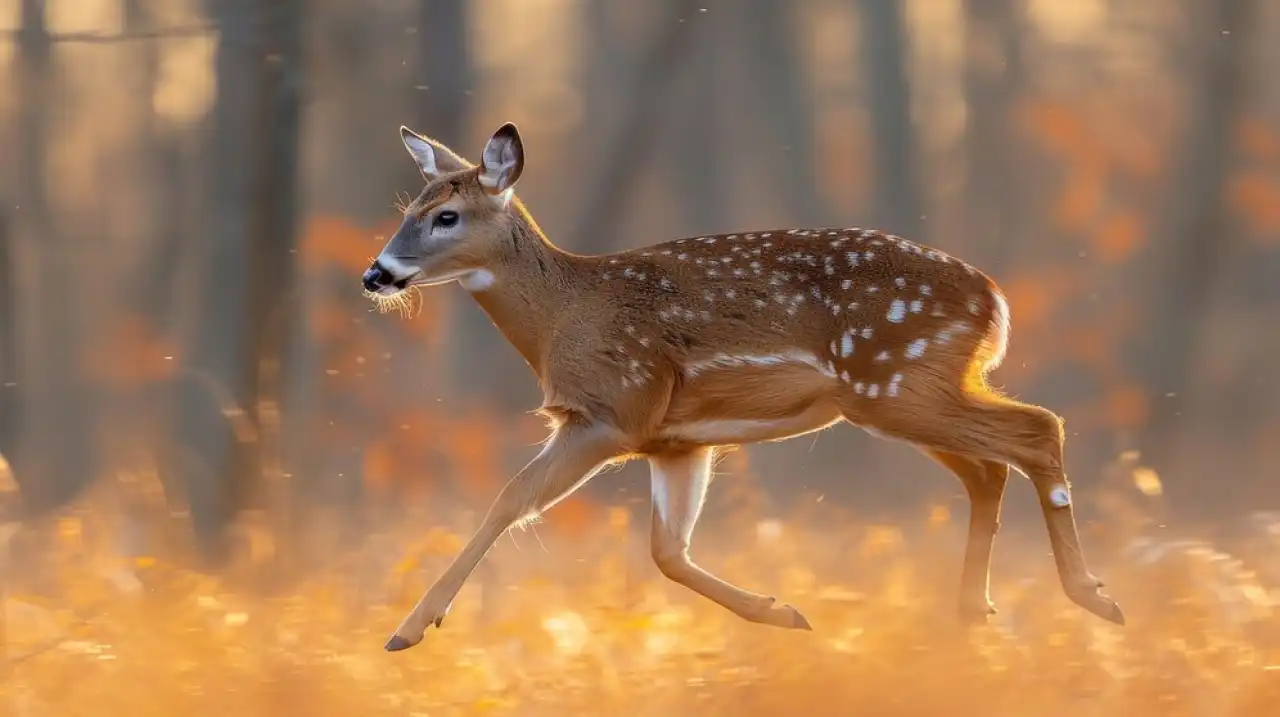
point(189, 190)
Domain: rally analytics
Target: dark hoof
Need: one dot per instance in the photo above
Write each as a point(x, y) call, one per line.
point(1100, 605)
point(397, 643)
point(800, 623)
point(1116, 616)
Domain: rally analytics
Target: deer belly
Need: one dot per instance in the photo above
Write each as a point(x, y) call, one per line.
point(730, 431)
point(750, 404)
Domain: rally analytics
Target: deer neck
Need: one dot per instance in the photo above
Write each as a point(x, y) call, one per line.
point(526, 287)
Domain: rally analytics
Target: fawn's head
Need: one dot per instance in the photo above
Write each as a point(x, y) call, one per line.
point(452, 229)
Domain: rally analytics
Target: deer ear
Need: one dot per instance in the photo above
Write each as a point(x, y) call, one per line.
point(502, 161)
point(432, 157)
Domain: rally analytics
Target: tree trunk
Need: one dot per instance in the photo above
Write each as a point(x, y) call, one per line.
point(993, 80)
point(898, 205)
point(10, 405)
point(244, 318)
point(1194, 226)
point(700, 184)
point(779, 88)
point(55, 398)
point(623, 158)
point(275, 301)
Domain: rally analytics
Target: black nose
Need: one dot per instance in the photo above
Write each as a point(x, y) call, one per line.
point(376, 277)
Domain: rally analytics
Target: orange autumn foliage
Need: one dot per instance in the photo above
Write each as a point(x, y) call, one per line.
point(130, 354)
point(1255, 197)
point(1127, 407)
point(1118, 237)
point(1257, 139)
point(331, 240)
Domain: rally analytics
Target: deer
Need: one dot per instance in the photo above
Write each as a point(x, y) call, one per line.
point(674, 351)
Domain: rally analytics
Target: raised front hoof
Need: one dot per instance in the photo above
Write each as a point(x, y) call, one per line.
point(397, 643)
point(1098, 604)
point(785, 616)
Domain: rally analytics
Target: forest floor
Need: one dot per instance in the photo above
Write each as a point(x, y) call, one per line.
point(587, 627)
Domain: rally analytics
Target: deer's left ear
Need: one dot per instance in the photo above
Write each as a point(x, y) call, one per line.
point(502, 162)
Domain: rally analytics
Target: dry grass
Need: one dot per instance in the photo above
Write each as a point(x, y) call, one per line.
point(587, 627)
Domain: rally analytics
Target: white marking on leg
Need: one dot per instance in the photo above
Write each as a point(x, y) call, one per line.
point(1059, 496)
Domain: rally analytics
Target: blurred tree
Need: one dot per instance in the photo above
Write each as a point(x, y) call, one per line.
point(155, 278)
point(57, 409)
point(446, 71)
point(245, 295)
point(697, 100)
point(275, 300)
point(993, 81)
point(622, 161)
point(897, 203)
point(1193, 224)
point(783, 103)
point(10, 405)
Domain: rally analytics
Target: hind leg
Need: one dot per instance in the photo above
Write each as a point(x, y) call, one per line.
point(679, 484)
point(984, 481)
point(981, 425)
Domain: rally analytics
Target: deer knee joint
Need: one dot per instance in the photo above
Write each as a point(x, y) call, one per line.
point(672, 562)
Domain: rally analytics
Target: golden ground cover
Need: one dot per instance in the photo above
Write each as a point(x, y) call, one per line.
point(581, 624)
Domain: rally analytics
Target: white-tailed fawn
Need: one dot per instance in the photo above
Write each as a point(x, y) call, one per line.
point(671, 351)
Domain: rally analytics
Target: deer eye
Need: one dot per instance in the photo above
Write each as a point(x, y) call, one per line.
point(446, 219)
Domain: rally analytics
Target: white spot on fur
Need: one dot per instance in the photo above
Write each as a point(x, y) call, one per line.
point(897, 311)
point(916, 306)
point(893, 384)
point(846, 344)
point(873, 390)
point(882, 357)
point(956, 328)
point(916, 348)
point(866, 332)
point(900, 282)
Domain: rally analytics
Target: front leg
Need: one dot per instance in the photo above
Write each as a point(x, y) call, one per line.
point(575, 452)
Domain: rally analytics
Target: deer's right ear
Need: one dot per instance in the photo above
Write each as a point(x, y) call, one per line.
point(433, 158)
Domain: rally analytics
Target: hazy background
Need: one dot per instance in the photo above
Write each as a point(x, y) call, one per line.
point(190, 190)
